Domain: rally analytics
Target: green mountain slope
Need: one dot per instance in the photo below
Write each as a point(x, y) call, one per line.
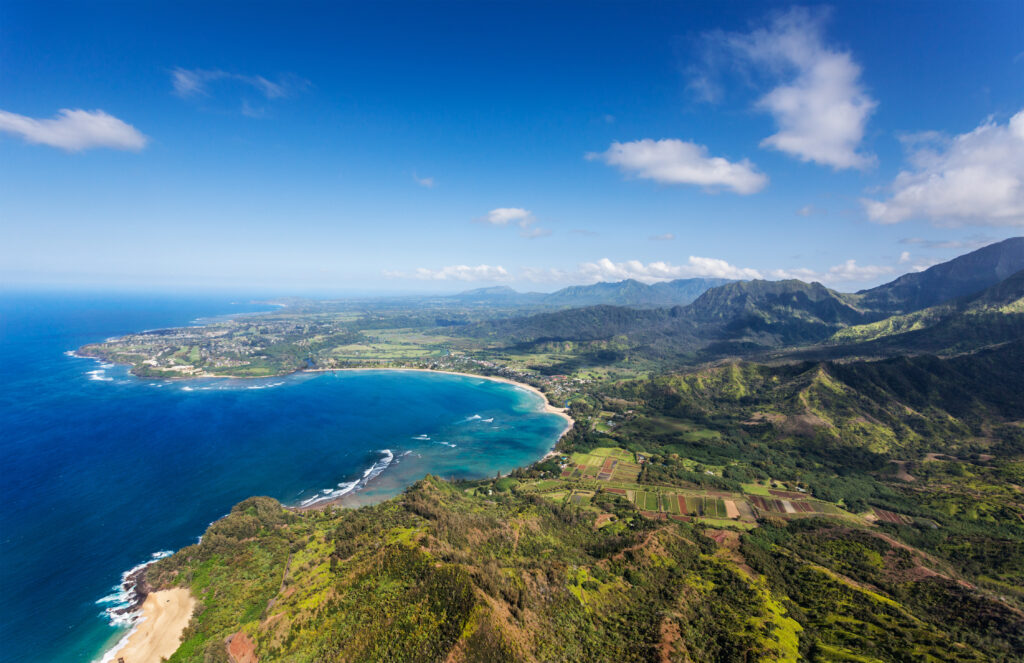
point(964, 275)
point(735, 318)
point(440, 575)
point(995, 315)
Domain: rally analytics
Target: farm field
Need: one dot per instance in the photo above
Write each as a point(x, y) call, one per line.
point(605, 464)
point(794, 507)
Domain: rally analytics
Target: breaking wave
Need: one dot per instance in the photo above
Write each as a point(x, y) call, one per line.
point(346, 487)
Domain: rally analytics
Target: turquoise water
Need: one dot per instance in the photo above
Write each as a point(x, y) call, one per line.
point(100, 470)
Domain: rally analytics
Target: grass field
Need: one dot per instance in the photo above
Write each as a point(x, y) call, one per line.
point(651, 501)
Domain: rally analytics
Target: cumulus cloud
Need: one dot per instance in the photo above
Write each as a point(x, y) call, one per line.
point(652, 272)
point(818, 102)
point(673, 161)
point(851, 271)
point(664, 237)
point(973, 179)
point(75, 130)
point(502, 216)
point(847, 272)
point(455, 273)
point(516, 216)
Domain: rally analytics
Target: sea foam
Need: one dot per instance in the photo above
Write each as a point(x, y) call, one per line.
point(344, 488)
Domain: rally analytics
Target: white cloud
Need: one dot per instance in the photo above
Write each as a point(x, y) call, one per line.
point(819, 103)
point(75, 130)
point(673, 161)
point(696, 266)
point(502, 216)
point(606, 270)
point(196, 82)
point(848, 272)
point(664, 237)
point(523, 218)
point(973, 179)
point(455, 273)
point(851, 271)
point(426, 182)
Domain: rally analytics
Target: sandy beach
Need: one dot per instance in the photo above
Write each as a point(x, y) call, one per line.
point(165, 614)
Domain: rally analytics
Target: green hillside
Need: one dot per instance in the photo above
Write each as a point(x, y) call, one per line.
point(743, 512)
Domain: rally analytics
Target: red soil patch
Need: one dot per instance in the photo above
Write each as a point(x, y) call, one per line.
point(617, 491)
point(718, 536)
point(241, 648)
point(890, 517)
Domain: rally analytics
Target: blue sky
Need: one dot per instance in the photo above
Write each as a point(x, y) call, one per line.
point(312, 148)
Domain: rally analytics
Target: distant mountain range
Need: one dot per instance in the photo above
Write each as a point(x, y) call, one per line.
point(629, 293)
point(968, 302)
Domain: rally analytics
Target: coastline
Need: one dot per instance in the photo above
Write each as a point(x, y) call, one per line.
point(157, 619)
point(548, 407)
point(157, 633)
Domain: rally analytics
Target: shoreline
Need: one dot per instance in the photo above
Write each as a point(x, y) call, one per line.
point(548, 407)
point(157, 633)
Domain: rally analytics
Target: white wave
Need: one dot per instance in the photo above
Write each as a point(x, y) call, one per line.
point(106, 365)
point(475, 417)
point(488, 421)
point(347, 487)
point(421, 437)
point(266, 386)
point(99, 375)
point(187, 389)
point(125, 595)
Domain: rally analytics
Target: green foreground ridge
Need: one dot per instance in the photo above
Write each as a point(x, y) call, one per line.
point(739, 513)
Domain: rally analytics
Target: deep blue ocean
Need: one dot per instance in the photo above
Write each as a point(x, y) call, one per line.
point(99, 470)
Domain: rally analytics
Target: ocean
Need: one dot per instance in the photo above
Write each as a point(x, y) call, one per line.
point(100, 470)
